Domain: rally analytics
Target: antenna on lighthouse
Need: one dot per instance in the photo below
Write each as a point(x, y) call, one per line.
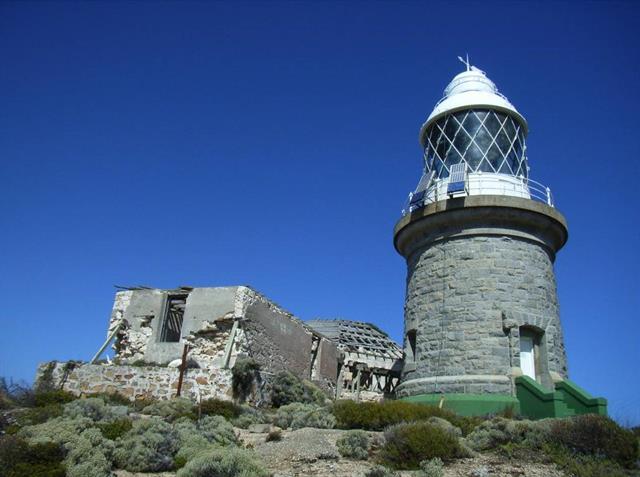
point(465, 62)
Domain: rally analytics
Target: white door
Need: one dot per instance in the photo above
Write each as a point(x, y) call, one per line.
point(527, 359)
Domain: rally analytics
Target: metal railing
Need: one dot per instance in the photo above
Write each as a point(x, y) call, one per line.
point(436, 191)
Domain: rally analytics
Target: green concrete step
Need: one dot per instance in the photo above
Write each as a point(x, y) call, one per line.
point(568, 399)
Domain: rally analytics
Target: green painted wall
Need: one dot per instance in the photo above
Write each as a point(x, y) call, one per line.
point(469, 404)
point(531, 401)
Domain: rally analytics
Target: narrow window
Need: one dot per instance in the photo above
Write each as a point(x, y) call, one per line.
point(530, 340)
point(411, 345)
point(173, 316)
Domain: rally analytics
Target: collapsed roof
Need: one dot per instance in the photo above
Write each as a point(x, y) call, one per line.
point(358, 337)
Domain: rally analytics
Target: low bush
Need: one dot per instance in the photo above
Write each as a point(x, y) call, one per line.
point(148, 447)
point(380, 471)
point(95, 409)
point(46, 398)
point(274, 435)
point(201, 436)
point(90, 455)
point(354, 444)
point(172, 409)
point(114, 429)
point(580, 465)
point(18, 458)
point(597, 436)
point(141, 402)
point(59, 430)
point(286, 388)
point(376, 416)
point(500, 431)
point(113, 398)
point(406, 445)
point(223, 463)
point(248, 417)
point(298, 415)
point(38, 415)
point(214, 429)
point(243, 374)
point(218, 407)
point(432, 468)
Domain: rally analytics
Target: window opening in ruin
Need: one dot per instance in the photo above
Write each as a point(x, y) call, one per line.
point(173, 317)
point(411, 342)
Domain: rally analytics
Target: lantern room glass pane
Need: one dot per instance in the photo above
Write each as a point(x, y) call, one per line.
point(487, 140)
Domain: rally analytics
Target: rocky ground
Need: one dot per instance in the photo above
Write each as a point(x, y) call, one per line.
point(313, 452)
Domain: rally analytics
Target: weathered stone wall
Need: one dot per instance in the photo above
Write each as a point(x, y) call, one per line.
point(265, 331)
point(465, 300)
point(277, 340)
point(208, 312)
point(139, 382)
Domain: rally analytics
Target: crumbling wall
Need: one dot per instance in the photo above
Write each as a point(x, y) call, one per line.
point(138, 310)
point(138, 382)
point(277, 340)
point(219, 325)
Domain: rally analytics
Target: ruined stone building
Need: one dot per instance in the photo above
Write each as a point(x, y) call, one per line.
point(151, 328)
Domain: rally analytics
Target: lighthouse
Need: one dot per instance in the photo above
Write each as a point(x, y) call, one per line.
point(482, 330)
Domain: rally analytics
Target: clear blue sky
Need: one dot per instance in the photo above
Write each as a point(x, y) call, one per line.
point(273, 144)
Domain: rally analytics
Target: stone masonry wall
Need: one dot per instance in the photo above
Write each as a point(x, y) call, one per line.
point(139, 382)
point(465, 300)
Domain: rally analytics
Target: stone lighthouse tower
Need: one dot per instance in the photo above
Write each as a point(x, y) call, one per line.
point(480, 239)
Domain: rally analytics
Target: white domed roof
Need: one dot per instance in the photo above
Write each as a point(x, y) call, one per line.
point(471, 89)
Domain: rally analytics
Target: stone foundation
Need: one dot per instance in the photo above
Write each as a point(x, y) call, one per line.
point(136, 382)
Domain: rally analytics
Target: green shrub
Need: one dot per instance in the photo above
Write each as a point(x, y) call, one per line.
point(190, 447)
point(376, 416)
point(171, 409)
point(214, 429)
point(298, 415)
point(218, 407)
point(287, 388)
point(248, 418)
point(500, 431)
point(95, 409)
point(432, 468)
point(580, 465)
point(59, 430)
point(90, 455)
point(21, 459)
point(406, 445)
point(223, 463)
point(245, 420)
point(274, 435)
point(354, 444)
point(201, 436)
point(148, 447)
point(379, 471)
point(243, 374)
point(114, 429)
point(598, 436)
point(113, 398)
point(45, 398)
point(38, 415)
point(141, 402)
